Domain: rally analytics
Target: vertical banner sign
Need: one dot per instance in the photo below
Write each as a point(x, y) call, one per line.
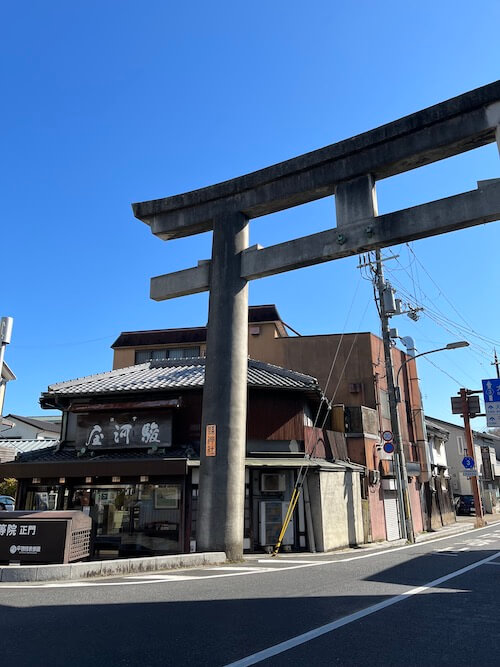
point(491, 393)
point(211, 440)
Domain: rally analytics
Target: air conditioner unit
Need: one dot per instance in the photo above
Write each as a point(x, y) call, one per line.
point(272, 481)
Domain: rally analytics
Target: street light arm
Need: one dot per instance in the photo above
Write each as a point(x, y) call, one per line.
point(406, 361)
point(449, 346)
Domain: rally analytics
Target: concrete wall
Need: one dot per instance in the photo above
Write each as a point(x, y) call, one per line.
point(416, 507)
point(314, 354)
point(261, 337)
point(377, 513)
point(336, 509)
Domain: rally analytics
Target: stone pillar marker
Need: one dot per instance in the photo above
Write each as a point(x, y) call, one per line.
point(222, 473)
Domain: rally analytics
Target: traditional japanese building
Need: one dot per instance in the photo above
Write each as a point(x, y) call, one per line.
point(129, 457)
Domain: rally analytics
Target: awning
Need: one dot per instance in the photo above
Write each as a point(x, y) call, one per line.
point(108, 467)
point(319, 464)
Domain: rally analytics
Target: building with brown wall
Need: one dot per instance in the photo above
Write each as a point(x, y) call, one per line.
point(350, 370)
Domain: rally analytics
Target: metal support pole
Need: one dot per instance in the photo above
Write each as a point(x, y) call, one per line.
point(222, 458)
point(478, 506)
point(399, 455)
point(6, 324)
point(3, 383)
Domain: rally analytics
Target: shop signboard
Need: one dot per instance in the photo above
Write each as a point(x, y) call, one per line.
point(102, 430)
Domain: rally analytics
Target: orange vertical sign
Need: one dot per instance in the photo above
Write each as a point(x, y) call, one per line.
point(211, 440)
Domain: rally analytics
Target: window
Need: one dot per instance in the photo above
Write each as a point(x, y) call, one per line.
point(462, 449)
point(142, 356)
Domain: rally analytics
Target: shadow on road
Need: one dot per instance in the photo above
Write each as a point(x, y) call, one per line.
point(140, 625)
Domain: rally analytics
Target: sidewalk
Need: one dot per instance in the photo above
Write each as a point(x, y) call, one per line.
point(462, 525)
point(107, 568)
point(113, 568)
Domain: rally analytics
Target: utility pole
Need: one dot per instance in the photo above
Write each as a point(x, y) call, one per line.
point(496, 364)
point(399, 455)
point(464, 397)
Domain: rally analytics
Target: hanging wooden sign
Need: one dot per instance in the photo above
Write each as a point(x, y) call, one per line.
point(211, 440)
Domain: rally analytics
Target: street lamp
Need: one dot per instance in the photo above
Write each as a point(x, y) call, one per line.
point(399, 452)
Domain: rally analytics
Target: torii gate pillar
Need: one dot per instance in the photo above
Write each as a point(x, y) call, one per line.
point(222, 471)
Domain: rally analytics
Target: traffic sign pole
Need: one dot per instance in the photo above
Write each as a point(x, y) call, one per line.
point(478, 506)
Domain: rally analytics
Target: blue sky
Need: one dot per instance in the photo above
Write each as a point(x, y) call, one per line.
point(111, 102)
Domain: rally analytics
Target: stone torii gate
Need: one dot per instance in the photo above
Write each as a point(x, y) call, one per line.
point(349, 170)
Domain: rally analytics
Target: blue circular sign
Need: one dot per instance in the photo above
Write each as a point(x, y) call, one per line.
point(468, 462)
point(388, 448)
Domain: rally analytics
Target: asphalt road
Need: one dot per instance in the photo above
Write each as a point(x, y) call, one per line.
point(430, 604)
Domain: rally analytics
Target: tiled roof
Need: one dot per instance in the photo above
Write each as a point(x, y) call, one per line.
point(69, 454)
point(28, 445)
point(430, 424)
point(177, 374)
point(43, 425)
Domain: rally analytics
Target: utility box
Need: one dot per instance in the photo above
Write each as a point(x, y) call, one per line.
point(44, 537)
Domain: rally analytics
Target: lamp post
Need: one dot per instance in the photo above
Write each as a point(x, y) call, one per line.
point(5, 338)
point(400, 460)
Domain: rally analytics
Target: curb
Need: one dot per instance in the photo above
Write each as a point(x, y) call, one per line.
point(455, 530)
point(427, 537)
point(108, 568)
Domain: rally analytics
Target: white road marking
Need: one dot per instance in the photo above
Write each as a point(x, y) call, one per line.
point(160, 577)
point(330, 627)
point(261, 570)
point(235, 569)
point(290, 560)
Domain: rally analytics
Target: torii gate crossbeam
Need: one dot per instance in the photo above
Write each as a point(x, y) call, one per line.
point(348, 170)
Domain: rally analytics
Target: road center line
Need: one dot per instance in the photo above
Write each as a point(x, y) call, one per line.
point(330, 627)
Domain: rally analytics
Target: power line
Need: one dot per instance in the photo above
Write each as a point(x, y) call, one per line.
point(468, 329)
point(460, 384)
point(65, 344)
